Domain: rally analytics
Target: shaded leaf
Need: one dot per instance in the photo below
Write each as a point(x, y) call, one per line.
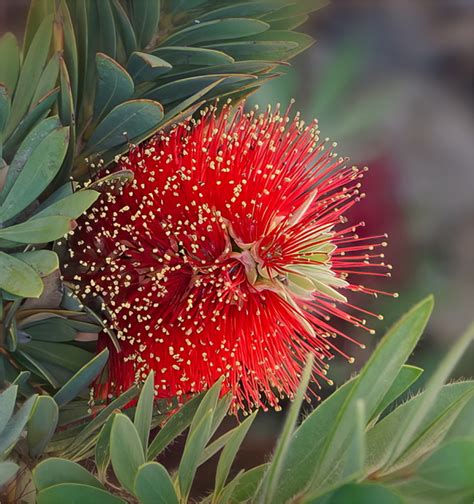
point(192, 56)
point(9, 61)
point(125, 451)
point(146, 67)
point(74, 493)
point(153, 485)
point(42, 424)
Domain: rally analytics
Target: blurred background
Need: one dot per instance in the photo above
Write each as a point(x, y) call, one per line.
point(392, 82)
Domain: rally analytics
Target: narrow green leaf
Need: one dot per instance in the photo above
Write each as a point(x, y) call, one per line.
point(221, 29)
point(114, 85)
point(42, 424)
point(72, 206)
point(70, 48)
point(38, 171)
point(44, 262)
point(36, 367)
point(406, 378)
point(30, 73)
point(451, 466)
point(18, 278)
point(7, 471)
point(95, 423)
point(48, 79)
point(192, 56)
point(82, 378)
point(53, 471)
point(38, 10)
point(125, 450)
point(145, 16)
point(245, 485)
point(462, 426)
point(37, 112)
point(376, 378)
point(107, 36)
point(41, 230)
point(9, 61)
point(195, 443)
point(379, 438)
point(7, 405)
point(366, 493)
point(4, 109)
point(153, 485)
point(125, 30)
point(146, 67)
point(174, 426)
point(12, 431)
point(66, 100)
point(410, 425)
point(248, 9)
point(29, 144)
point(230, 451)
point(144, 411)
point(124, 123)
point(272, 477)
point(102, 449)
point(61, 354)
point(74, 493)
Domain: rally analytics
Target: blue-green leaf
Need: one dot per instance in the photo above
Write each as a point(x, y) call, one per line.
point(153, 485)
point(42, 424)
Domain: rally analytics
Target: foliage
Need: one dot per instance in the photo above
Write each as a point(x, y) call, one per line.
point(360, 442)
point(91, 78)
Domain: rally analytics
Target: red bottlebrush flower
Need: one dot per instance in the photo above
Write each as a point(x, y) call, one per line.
point(227, 254)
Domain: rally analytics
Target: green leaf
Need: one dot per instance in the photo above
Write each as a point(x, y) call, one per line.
point(30, 73)
point(247, 9)
point(102, 449)
point(114, 85)
point(125, 122)
point(146, 67)
point(272, 477)
point(37, 112)
point(49, 78)
point(29, 144)
point(7, 405)
point(462, 426)
point(42, 424)
point(307, 445)
point(145, 16)
point(36, 367)
point(7, 471)
point(195, 443)
point(70, 48)
point(366, 493)
point(353, 462)
point(221, 29)
point(37, 173)
point(153, 485)
point(107, 38)
point(44, 262)
point(174, 426)
point(61, 354)
point(451, 466)
point(124, 28)
point(18, 278)
point(82, 378)
point(406, 378)
point(192, 56)
point(410, 425)
point(182, 88)
point(53, 471)
point(12, 431)
point(144, 411)
point(245, 485)
point(4, 109)
point(9, 61)
point(95, 423)
point(66, 99)
point(376, 378)
point(37, 11)
point(125, 450)
point(72, 206)
point(52, 328)
point(41, 230)
point(230, 451)
point(74, 493)
point(379, 438)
